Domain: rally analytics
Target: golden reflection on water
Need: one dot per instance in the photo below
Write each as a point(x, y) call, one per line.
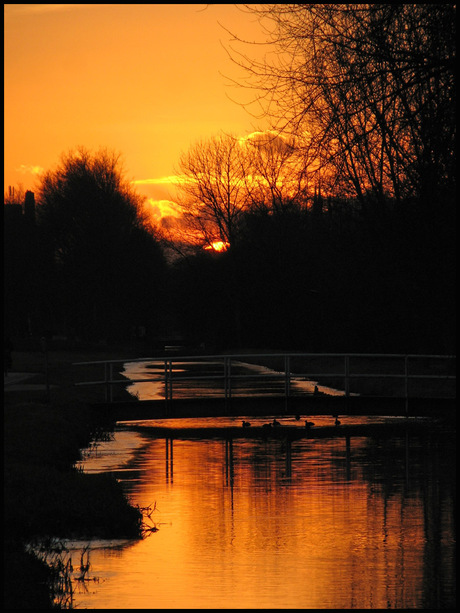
point(268, 524)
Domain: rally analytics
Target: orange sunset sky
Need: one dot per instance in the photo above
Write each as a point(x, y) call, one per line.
point(144, 80)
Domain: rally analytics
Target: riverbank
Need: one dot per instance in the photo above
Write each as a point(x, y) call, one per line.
point(47, 421)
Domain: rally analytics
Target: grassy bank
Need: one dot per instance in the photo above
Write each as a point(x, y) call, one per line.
point(44, 495)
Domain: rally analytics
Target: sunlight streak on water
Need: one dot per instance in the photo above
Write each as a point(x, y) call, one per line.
point(268, 524)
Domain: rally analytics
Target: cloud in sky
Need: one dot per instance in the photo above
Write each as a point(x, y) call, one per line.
point(159, 209)
point(169, 180)
point(30, 169)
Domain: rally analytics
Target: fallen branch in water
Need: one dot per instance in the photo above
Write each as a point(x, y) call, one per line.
point(148, 528)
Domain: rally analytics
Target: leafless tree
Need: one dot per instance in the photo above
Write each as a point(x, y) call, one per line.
point(212, 190)
point(225, 177)
point(369, 87)
point(278, 172)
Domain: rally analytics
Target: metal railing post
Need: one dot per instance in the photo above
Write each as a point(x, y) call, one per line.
point(347, 375)
point(168, 384)
point(406, 383)
point(167, 381)
point(287, 380)
point(106, 380)
point(229, 378)
point(225, 380)
point(110, 381)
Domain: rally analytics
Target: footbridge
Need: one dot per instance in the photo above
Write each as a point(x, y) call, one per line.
point(262, 384)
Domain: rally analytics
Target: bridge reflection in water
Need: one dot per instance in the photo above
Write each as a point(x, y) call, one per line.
point(284, 434)
point(273, 384)
point(229, 458)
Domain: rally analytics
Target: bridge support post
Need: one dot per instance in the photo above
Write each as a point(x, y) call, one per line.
point(347, 376)
point(108, 370)
point(287, 381)
point(227, 381)
point(168, 385)
point(106, 381)
point(406, 383)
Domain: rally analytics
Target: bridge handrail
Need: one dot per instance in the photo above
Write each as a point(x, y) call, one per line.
point(168, 376)
point(265, 355)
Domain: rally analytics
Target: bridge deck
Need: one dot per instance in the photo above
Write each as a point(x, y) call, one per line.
point(278, 406)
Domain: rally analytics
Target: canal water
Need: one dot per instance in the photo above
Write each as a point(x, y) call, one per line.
point(333, 523)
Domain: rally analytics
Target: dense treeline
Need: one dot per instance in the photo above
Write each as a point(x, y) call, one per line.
point(329, 281)
point(325, 275)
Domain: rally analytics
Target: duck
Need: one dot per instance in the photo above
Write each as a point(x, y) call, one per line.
point(276, 423)
point(308, 424)
point(337, 421)
point(246, 424)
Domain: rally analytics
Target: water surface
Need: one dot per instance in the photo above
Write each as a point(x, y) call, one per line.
point(248, 523)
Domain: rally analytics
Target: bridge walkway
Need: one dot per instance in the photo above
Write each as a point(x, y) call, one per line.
point(277, 384)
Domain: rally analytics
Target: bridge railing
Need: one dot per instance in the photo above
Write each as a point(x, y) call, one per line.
point(286, 375)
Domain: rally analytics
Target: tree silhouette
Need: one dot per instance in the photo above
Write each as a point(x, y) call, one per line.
point(370, 88)
point(225, 177)
point(21, 262)
point(104, 266)
point(212, 190)
point(278, 172)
